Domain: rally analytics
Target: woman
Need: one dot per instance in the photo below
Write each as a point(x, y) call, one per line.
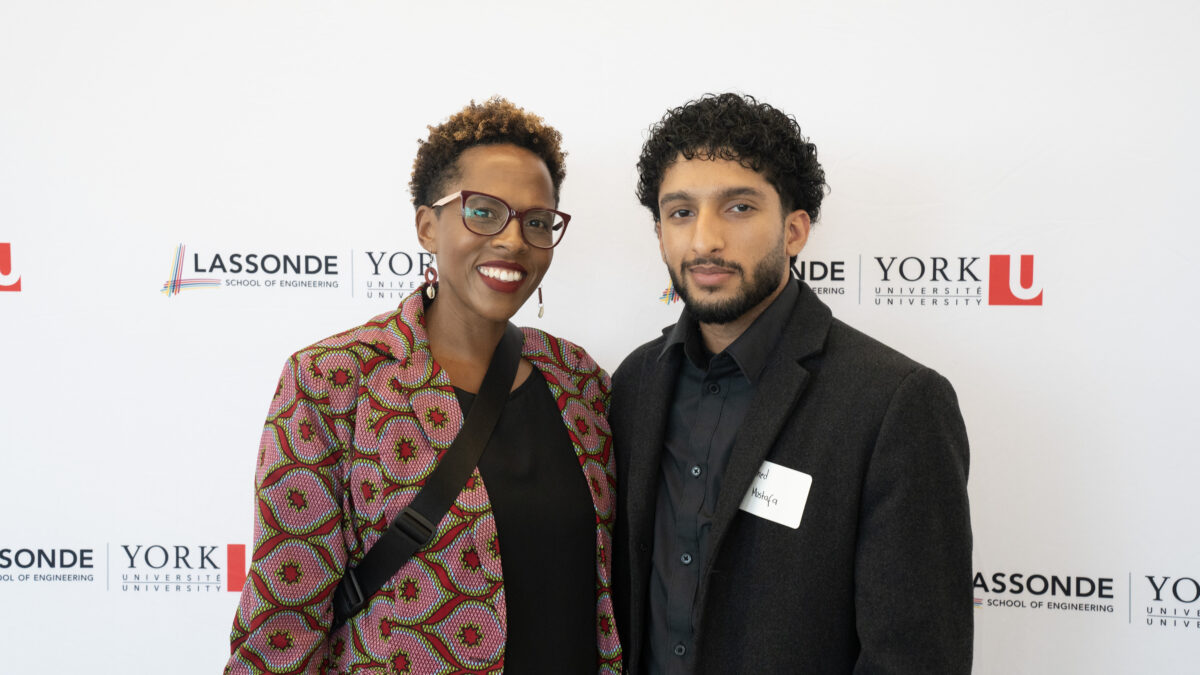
point(516, 575)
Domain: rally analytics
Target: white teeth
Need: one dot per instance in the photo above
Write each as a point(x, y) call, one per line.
point(501, 274)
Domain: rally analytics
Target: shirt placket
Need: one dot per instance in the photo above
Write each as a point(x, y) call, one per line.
point(689, 526)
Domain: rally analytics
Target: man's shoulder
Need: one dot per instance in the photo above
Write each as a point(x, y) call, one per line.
point(867, 369)
point(846, 341)
point(637, 360)
point(845, 354)
point(812, 332)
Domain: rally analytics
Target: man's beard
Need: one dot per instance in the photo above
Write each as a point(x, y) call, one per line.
point(750, 293)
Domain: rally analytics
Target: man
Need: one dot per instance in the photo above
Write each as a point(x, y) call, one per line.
point(792, 493)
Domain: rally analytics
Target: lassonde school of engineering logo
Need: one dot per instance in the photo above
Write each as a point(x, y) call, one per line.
point(369, 274)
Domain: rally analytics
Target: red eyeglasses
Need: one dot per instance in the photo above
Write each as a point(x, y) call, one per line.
point(486, 215)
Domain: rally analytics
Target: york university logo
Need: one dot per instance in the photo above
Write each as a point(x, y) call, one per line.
point(399, 263)
point(391, 275)
point(1011, 281)
point(956, 282)
point(943, 283)
point(10, 280)
point(1185, 590)
point(182, 568)
point(1172, 602)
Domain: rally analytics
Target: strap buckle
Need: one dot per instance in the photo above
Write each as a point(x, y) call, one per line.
point(348, 598)
point(354, 598)
point(413, 526)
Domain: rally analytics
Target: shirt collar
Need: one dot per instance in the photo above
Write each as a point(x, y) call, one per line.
point(751, 349)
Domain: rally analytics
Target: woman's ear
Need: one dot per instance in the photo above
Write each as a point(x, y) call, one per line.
point(427, 228)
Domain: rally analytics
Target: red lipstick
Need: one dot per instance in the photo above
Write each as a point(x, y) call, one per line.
point(501, 275)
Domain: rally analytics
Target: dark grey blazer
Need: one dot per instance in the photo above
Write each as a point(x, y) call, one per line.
point(877, 578)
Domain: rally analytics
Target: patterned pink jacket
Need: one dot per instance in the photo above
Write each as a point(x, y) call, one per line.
point(357, 423)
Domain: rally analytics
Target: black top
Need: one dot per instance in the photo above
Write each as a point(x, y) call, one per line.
point(546, 527)
point(712, 395)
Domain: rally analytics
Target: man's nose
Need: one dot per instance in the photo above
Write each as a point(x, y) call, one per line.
point(708, 235)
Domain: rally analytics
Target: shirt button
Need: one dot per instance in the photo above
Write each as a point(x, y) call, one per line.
point(696, 471)
point(714, 388)
point(680, 650)
point(686, 558)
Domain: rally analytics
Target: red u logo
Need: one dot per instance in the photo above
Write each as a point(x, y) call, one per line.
point(7, 281)
point(1010, 281)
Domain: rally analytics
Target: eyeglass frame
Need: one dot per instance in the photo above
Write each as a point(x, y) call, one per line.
point(512, 213)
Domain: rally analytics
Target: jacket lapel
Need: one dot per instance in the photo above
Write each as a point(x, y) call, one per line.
point(416, 379)
point(777, 392)
point(653, 407)
point(644, 457)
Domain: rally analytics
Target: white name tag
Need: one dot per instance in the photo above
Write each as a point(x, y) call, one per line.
point(778, 494)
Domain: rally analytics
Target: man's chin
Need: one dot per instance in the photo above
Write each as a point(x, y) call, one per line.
point(718, 313)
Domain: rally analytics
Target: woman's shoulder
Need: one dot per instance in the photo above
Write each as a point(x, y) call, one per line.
point(398, 334)
point(547, 350)
point(333, 370)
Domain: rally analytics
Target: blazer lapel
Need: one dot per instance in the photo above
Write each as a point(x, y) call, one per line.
point(644, 456)
point(416, 380)
point(777, 392)
point(653, 408)
point(435, 406)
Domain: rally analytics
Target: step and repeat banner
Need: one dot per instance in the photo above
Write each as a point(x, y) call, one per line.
point(191, 191)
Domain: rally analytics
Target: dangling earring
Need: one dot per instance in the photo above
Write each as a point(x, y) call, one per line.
point(430, 283)
point(541, 307)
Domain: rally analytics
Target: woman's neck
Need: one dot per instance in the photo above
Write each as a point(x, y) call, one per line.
point(462, 344)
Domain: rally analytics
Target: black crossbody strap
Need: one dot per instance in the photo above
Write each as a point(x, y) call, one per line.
point(416, 524)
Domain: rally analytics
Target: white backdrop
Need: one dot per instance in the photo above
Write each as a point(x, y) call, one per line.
point(129, 417)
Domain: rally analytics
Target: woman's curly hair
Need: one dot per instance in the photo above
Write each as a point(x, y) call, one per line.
point(493, 121)
point(737, 128)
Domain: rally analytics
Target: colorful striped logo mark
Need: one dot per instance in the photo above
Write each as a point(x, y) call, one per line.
point(978, 603)
point(670, 295)
point(177, 283)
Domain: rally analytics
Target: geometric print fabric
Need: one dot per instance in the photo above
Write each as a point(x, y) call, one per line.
point(357, 423)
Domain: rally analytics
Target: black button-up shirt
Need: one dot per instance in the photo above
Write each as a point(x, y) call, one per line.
point(712, 395)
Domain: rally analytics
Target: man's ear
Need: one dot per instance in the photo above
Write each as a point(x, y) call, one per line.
point(796, 227)
point(427, 228)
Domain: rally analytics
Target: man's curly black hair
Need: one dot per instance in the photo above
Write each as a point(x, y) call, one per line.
point(493, 121)
point(738, 128)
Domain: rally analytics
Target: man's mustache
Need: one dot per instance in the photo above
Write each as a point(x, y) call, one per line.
point(715, 262)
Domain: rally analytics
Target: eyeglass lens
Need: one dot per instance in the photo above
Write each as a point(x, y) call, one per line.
point(486, 215)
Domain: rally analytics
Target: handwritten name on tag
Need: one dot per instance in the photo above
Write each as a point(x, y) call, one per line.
point(778, 494)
